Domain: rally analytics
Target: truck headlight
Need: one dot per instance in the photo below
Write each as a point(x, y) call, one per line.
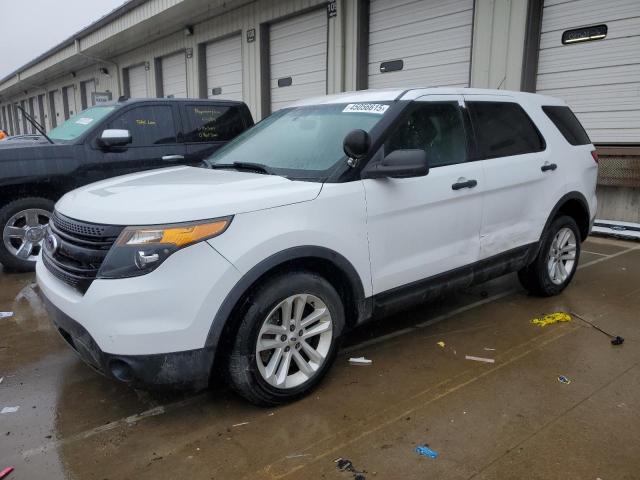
point(140, 250)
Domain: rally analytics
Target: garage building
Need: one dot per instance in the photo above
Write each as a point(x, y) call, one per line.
point(271, 53)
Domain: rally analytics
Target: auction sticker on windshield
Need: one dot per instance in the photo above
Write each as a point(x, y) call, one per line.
point(377, 108)
point(84, 121)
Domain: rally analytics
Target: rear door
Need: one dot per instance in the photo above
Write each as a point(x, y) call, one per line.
point(425, 226)
point(207, 127)
point(523, 180)
point(153, 129)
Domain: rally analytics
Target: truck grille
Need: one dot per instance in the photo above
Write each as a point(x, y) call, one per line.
point(78, 251)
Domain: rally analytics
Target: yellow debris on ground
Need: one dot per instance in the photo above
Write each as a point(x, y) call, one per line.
point(551, 318)
point(441, 344)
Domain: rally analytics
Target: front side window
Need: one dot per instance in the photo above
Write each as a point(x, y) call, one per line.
point(503, 129)
point(148, 125)
point(435, 127)
point(80, 123)
point(213, 123)
point(302, 142)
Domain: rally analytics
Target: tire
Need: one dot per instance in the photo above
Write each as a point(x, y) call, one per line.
point(554, 268)
point(22, 225)
point(249, 370)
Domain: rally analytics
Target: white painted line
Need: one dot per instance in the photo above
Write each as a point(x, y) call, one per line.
point(595, 253)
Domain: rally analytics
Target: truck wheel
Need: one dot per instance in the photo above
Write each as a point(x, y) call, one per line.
point(557, 259)
point(23, 223)
point(287, 339)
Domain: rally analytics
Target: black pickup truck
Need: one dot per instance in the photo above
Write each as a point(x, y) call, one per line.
point(103, 141)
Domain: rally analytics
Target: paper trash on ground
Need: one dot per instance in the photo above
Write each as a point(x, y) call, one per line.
point(479, 359)
point(6, 314)
point(360, 361)
point(9, 410)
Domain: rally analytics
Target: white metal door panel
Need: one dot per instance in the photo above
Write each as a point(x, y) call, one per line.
point(599, 79)
point(431, 38)
point(59, 108)
point(418, 207)
point(69, 94)
point(174, 76)
point(138, 82)
point(33, 111)
point(89, 88)
point(224, 68)
point(298, 58)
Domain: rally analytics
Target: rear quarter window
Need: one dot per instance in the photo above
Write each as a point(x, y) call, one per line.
point(503, 129)
point(213, 123)
point(565, 120)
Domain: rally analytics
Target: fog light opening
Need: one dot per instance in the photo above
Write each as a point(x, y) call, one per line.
point(121, 370)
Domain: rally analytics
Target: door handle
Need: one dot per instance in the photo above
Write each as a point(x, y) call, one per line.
point(464, 183)
point(548, 166)
point(172, 158)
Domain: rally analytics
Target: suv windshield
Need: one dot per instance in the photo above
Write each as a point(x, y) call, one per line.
point(80, 123)
point(302, 142)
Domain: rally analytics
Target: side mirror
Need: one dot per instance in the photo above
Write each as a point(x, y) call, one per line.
point(399, 164)
point(114, 138)
point(356, 144)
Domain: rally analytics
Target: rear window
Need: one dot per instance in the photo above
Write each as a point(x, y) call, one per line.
point(503, 129)
point(207, 123)
point(568, 124)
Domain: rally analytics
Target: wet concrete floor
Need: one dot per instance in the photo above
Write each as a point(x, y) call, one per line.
point(502, 420)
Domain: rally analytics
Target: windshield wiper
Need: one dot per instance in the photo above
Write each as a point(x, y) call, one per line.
point(249, 166)
point(35, 124)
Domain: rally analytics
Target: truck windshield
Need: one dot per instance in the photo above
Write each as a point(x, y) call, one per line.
point(300, 142)
point(80, 123)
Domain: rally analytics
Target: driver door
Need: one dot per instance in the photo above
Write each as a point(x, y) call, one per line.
point(154, 144)
point(427, 226)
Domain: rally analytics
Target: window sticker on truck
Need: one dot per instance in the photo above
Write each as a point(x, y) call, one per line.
point(377, 108)
point(84, 121)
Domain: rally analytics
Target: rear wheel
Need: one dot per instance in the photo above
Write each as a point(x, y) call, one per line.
point(287, 338)
point(23, 223)
point(557, 259)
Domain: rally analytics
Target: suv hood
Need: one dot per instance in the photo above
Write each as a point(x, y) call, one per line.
point(181, 194)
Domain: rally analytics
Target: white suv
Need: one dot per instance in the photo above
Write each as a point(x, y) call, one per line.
point(319, 217)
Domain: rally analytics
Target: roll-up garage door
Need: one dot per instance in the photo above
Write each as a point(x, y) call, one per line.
point(69, 101)
point(89, 87)
point(57, 110)
point(420, 43)
point(596, 70)
point(224, 68)
point(138, 82)
point(298, 58)
point(174, 76)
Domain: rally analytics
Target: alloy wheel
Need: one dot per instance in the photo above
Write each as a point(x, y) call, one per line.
point(562, 256)
point(24, 232)
point(294, 341)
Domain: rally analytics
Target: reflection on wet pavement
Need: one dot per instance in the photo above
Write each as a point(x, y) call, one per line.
point(509, 419)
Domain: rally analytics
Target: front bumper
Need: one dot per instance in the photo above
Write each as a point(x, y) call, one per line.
point(182, 370)
point(147, 330)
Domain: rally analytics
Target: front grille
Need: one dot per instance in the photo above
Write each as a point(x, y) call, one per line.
point(81, 249)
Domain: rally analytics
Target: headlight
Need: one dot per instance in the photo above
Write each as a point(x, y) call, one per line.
point(140, 250)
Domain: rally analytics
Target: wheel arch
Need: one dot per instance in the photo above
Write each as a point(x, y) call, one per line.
point(575, 205)
point(331, 265)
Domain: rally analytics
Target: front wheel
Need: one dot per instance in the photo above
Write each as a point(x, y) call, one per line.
point(557, 259)
point(287, 339)
point(23, 224)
